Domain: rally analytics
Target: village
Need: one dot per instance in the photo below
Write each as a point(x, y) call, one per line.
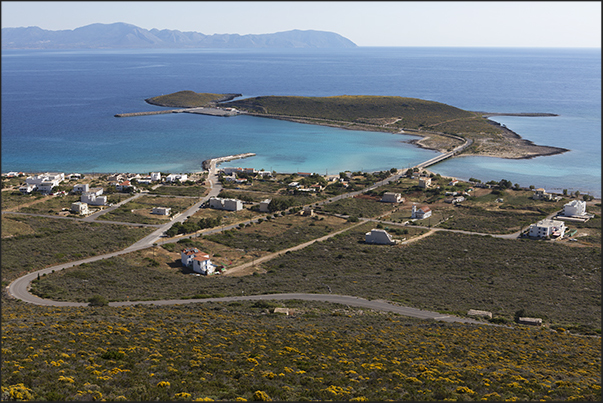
point(208, 223)
point(303, 193)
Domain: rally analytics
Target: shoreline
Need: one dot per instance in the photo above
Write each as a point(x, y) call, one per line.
point(514, 146)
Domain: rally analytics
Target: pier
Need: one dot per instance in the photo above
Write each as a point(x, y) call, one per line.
point(207, 163)
point(200, 111)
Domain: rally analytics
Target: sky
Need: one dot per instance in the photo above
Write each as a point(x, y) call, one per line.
point(371, 23)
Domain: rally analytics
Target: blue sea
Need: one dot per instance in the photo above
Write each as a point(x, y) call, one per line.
point(58, 109)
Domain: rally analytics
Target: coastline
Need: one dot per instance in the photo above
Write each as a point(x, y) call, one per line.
point(510, 146)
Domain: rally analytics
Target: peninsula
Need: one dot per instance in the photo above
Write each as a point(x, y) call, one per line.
point(442, 127)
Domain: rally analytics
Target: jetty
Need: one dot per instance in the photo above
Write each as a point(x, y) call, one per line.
point(207, 163)
point(200, 110)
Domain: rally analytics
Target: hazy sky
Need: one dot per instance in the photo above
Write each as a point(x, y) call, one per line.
point(509, 24)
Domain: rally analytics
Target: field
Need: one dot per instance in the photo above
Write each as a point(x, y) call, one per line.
point(41, 242)
point(139, 211)
point(241, 351)
point(445, 272)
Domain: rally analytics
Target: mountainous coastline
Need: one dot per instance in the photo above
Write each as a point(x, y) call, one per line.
point(126, 36)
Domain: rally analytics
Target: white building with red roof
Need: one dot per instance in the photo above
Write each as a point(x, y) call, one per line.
point(197, 260)
point(420, 213)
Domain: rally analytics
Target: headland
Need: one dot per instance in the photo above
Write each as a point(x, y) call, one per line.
point(442, 127)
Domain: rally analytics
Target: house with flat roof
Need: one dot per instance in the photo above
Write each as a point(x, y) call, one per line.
point(424, 182)
point(378, 236)
point(547, 228)
point(225, 204)
point(161, 210)
point(574, 208)
point(391, 197)
point(264, 206)
point(79, 208)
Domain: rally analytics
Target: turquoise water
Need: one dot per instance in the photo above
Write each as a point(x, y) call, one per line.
point(58, 107)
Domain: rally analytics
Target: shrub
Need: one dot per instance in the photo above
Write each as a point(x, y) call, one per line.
point(98, 300)
point(260, 396)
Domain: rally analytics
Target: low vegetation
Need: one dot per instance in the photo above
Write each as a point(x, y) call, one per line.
point(241, 351)
point(374, 110)
point(42, 242)
point(187, 99)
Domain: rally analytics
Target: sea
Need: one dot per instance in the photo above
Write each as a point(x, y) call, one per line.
point(58, 109)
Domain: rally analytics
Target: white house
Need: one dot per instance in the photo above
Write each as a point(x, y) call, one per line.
point(264, 206)
point(202, 265)
point(231, 170)
point(161, 210)
point(93, 199)
point(379, 236)
point(54, 177)
point(145, 180)
point(46, 186)
point(546, 228)
point(390, 197)
point(27, 188)
point(424, 182)
point(81, 188)
point(176, 177)
point(225, 204)
point(79, 208)
point(124, 186)
point(197, 260)
point(187, 255)
point(421, 213)
point(574, 208)
point(156, 176)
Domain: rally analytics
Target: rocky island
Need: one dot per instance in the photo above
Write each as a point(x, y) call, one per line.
point(442, 127)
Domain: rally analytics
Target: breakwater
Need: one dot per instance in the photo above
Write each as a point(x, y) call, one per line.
point(207, 163)
point(200, 111)
point(125, 115)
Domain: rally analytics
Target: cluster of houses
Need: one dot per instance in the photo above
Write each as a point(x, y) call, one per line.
point(123, 181)
point(43, 183)
point(231, 174)
point(90, 197)
point(575, 210)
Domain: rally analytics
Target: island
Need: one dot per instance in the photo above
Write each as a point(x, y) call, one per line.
point(441, 127)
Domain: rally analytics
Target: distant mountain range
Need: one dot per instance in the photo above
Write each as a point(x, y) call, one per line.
point(126, 36)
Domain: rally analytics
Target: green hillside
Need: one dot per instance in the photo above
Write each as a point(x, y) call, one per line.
point(188, 99)
point(397, 112)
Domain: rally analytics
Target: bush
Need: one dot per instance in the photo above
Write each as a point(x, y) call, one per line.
point(98, 300)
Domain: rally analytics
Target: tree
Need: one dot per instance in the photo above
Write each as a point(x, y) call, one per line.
point(504, 184)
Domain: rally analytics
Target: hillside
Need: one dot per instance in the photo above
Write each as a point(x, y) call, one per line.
point(127, 36)
point(398, 112)
point(189, 99)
